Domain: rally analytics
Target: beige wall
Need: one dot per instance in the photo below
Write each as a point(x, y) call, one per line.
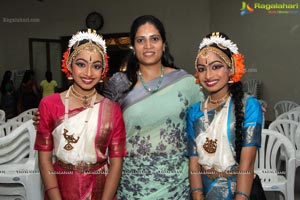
point(270, 42)
point(185, 24)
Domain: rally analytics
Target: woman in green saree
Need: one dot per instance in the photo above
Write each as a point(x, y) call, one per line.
point(154, 97)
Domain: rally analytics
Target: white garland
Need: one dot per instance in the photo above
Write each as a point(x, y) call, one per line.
point(219, 40)
point(87, 36)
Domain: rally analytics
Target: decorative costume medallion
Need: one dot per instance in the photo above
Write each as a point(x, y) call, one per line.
point(70, 139)
point(210, 145)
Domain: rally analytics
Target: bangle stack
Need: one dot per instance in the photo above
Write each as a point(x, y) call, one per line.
point(243, 194)
point(196, 189)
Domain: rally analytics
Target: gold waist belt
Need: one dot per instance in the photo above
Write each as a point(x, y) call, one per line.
point(81, 166)
point(212, 174)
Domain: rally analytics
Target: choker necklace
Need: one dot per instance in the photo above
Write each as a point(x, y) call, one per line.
point(85, 98)
point(73, 138)
point(152, 90)
point(218, 101)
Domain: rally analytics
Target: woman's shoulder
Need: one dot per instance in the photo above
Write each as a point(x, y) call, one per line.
point(116, 86)
point(118, 77)
point(119, 82)
point(250, 100)
point(181, 75)
point(252, 105)
point(194, 112)
point(110, 103)
point(52, 98)
point(195, 108)
point(190, 77)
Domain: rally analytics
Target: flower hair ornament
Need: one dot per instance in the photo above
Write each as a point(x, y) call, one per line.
point(236, 62)
point(95, 43)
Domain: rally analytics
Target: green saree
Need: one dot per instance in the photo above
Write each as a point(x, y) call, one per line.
point(156, 166)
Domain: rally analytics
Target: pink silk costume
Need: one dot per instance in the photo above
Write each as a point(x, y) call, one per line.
point(110, 141)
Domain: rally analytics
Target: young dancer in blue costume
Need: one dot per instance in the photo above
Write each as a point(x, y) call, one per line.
point(224, 131)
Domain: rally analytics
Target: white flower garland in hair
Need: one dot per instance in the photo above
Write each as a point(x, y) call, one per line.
point(221, 41)
point(87, 36)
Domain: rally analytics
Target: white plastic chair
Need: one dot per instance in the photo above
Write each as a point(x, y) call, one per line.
point(290, 129)
point(272, 178)
point(8, 127)
point(293, 114)
point(253, 87)
point(15, 197)
point(2, 117)
point(24, 116)
point(19, 162)
point(284, 106)
point(296, 109)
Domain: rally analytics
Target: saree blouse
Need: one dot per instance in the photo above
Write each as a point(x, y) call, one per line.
point(251, 127)
point(105, 130)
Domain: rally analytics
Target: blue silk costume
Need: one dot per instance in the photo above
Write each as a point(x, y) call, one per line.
point(224, 188)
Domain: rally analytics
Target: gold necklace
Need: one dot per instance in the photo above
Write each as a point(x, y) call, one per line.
point(218, 101)
point(70, 137)
point(85, 98)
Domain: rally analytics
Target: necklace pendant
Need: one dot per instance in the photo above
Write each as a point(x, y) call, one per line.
point(85, 104)
point(70, 139)
point(68, 147)
point(210, 145)
point(84, 98)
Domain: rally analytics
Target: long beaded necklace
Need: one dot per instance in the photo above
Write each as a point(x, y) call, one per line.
point(70, 138)
point(85, 98)
point(152, 90)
